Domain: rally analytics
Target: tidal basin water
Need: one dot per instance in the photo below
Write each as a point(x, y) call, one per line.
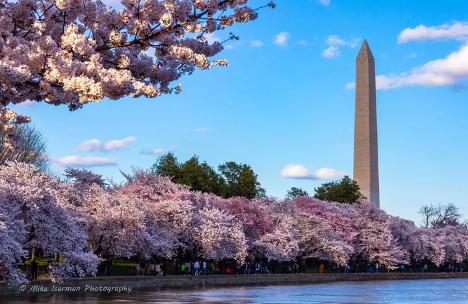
point(407, 291)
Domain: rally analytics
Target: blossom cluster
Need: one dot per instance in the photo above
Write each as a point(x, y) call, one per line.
point(150, 216)
point(77, 51)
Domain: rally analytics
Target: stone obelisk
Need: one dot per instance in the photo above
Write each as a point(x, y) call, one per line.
point(366, 159)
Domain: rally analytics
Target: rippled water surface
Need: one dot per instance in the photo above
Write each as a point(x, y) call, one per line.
point(414, 291)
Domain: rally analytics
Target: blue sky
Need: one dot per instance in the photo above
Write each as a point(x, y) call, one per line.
point(287, 98)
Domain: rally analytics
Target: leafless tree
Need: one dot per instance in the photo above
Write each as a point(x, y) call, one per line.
point(30, 147)
point(437, 216)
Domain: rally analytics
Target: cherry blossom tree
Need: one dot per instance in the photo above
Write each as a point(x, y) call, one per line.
point(219, 236)
point(454, 241)
point(375, 242)
point(150, 216)
point(192, 217)
point(409, 237)
point(85, 177)
point(335, 214)
point(9, 120)
point(251, 214)
point(74, 52)
point(12, 236)
point(32, 212)
point(319, 240)
point(281, 244)
point(127, 229)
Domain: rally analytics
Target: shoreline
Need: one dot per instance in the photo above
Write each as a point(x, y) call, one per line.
point(43, 286)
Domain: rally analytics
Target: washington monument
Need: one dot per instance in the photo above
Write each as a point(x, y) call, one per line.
point(366, 159)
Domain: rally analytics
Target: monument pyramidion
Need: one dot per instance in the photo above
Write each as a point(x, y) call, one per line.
point(366, 159)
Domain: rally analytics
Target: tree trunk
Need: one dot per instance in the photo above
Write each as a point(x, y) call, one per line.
point(90, 244)
point(33, 256)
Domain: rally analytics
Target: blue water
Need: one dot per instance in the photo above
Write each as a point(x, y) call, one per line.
point(408, 291)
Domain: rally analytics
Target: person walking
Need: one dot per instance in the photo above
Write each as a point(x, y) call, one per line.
point(196, 267)
point(108, 268)
point(34, 269)
point(138, 268)
point(321, 267)
point(182, 268)
point(157, 269)
point(204, 267)
point(161, 269)
point(142, 267)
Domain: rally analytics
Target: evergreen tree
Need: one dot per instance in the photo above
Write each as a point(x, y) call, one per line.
point(345, 191)
point(200, 176)
point(241, 181)
point(167, 165)
point(295, 192)
point(233, 180)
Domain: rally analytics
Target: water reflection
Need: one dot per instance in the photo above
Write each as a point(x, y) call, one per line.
point(414, 291)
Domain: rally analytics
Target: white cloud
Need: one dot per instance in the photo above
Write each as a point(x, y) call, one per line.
point(302, 42)
point(457, 30)
point(301, 172)
point(202, 129)
point(89, 161)
point(331, 52)
point(152, 152)
point(89, 145)
point(96, 144)
point(211, 37)
point(350, 86)
point(413, 55)
point(335, 40)
point(324, 2)
point(228, 47)
point(26, 104)
point(119, 144)
point(256, 43)
point(282, 39)
point(439, 72)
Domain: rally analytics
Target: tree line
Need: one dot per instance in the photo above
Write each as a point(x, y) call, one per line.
point(232, 179)
point(80, 221)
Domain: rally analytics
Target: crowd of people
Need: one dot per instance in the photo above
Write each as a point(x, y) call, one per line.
point(154, 269)
point(202, 267)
